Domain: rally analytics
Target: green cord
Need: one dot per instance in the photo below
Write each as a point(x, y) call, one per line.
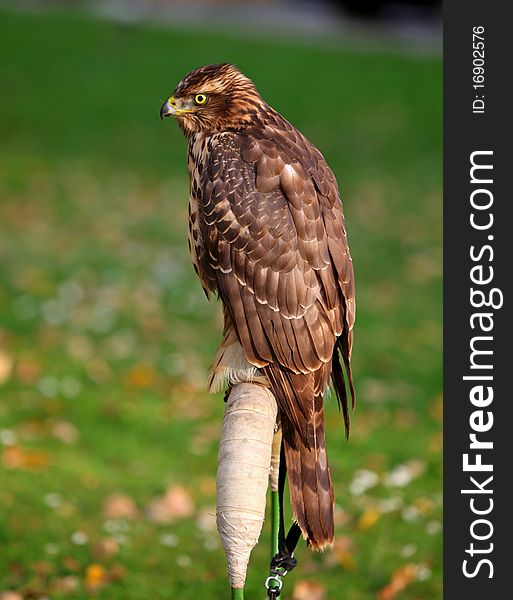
point(237, 593)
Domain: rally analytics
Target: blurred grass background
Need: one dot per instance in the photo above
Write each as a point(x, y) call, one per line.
point(107, 435)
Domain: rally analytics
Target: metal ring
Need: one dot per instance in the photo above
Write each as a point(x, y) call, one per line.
point(273, 578)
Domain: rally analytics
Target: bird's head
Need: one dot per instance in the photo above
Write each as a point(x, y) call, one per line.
point(213, 98)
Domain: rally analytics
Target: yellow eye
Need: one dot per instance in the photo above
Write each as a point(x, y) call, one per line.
point(200, 99)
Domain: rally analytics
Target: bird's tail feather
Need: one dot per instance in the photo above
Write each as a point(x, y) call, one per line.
point(339, 385)
point(311, 492)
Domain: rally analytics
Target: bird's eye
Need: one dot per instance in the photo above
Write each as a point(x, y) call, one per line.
point(200, 98)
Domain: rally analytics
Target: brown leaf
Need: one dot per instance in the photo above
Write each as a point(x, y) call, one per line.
point(117, 572)
point(65, 585)
point(343, 553)
point(175, 504)
point(308, 590)
point(405, 418)
point(71, 564)
point(105, 548)
point(207, 486)
point(98, 370)
point(120, 506)
point(66, 509)
point(33, 430)
point(16, 457)
point(8, 595)
point(400, 579)
point(425, 505)
point(436, 409)
point(436, 442)
point(140, 376)
point(341, 517)
point(65, 432)
point(27, 371)
point(6, 365)
point(42, 569)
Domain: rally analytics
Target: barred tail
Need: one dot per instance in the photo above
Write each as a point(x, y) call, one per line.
point(311, 492)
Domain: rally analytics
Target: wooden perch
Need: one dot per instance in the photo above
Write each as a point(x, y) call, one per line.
point(244, 466)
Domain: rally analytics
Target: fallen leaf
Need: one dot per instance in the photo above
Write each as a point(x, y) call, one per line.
point(65, 432)
point(207, 486)
point(96, 577)
point(98, 370)
point(341, 517)
point(33, 430)
point(400, 579)
point(343, 553)
point(105, 548)
point(368, 519)
point(16, 457)
point(436, 442)
point(42, 569)
point(308, 590)
point(120, 506)
point(6, 365)
point(80, 347)
point(8, 595)
point(436, 409)
point(175, 504)
point(140, 376)
point(405, 418)
point(71, 564)
point(425, 505)
point(66, 509)
point(117, 572)
point(27, 371)
point(65, 585)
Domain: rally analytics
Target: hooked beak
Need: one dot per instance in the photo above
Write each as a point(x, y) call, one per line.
point(171, 108)
point(168, 108)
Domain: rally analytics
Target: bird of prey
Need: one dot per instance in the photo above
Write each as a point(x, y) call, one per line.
point(267, 236)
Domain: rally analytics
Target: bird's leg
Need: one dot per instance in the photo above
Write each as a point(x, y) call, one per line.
point(237, 593)
point(227, 393)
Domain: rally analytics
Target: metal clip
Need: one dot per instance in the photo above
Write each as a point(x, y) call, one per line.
point(273, 590)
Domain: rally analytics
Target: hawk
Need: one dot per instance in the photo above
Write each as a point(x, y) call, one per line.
point(267, 236)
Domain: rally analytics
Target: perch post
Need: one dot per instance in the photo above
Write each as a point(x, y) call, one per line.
point(237, 593)
point(244, 463)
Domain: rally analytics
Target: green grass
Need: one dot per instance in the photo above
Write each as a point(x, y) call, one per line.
point(105, 336)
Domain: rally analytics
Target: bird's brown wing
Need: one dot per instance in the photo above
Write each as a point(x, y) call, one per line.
point(273, 228)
